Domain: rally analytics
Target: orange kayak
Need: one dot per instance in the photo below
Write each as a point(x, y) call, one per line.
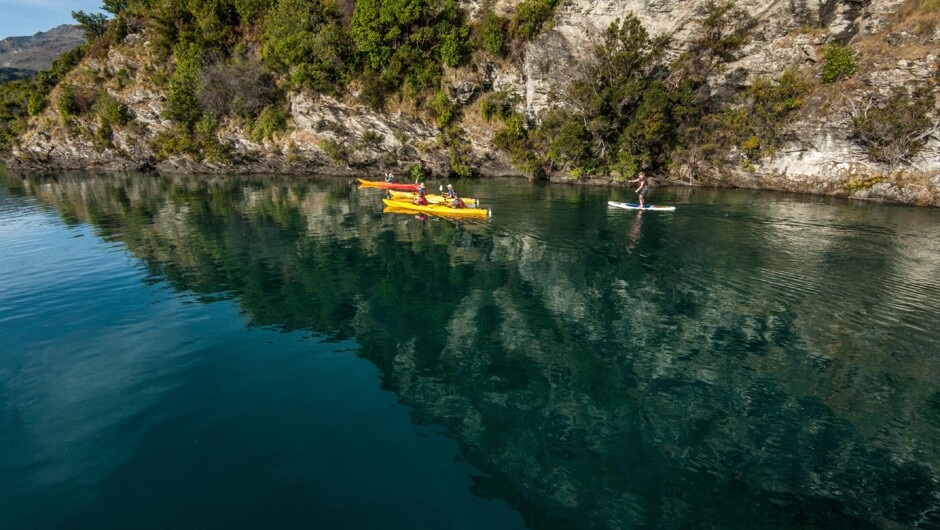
point(389, 186)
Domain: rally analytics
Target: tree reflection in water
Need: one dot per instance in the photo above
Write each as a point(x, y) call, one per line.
point(699, 376)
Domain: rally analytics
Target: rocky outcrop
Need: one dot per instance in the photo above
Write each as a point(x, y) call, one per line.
point(818, 154)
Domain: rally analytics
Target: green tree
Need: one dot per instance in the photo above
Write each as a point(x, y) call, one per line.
point(93, 25)
point(305, 39)
point(182, 102)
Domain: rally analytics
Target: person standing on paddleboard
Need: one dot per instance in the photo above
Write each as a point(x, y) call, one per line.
point(642, 188)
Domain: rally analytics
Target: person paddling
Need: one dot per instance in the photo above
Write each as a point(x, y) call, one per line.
point(451, 193)
point(643, 186)
point(389, 178)
point(421, 198)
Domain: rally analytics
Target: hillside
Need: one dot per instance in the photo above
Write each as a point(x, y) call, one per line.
point(829, 97)
point(36, 52)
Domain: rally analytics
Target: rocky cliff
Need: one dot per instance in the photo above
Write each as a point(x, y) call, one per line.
point(895, 43)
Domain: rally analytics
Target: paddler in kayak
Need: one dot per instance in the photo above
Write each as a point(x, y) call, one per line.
point(452, 199)
point(422, 192)
point(643, 186)
point(389, 178)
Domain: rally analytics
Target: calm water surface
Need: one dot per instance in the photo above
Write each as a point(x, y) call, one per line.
point(271, 352)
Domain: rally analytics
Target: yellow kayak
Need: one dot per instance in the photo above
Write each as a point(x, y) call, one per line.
point(437, 209)
point(433, 199)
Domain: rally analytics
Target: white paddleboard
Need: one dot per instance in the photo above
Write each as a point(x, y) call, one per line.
point(628, 206)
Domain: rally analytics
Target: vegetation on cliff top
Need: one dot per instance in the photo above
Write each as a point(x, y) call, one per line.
point(625, 108)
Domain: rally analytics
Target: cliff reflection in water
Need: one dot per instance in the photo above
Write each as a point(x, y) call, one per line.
point(771, 368)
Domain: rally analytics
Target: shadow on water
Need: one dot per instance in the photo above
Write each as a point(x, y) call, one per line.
point(753, 360)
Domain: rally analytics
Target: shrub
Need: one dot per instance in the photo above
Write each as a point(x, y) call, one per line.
point(338, 152)
point(443, 110)
point(104, 135)
point(530, 16)
point(372, 138)
point(491, 34)
point(896, 128)
point(36, 104)
point(110, 110)
point(271, 120)
point(838, 63)
point(241, 87)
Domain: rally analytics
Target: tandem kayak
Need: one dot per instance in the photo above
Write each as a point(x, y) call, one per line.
point(438, 209)
point(433, 199)
point(388, 186)
point(628, 206)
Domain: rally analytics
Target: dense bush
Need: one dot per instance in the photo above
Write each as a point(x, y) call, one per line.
point(530, 16)
point(491, 33)
point(240, 87)
point(407, 41)
point(767, 105)
point(838, 63)
point(110, 110)
point(305, 40)
point(271, 120)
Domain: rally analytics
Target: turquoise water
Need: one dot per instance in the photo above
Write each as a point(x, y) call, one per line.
point(276, 352)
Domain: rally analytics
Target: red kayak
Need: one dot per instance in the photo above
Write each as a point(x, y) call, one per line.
point(386, 185)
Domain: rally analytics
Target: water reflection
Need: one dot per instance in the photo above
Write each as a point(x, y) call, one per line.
point(753, 361)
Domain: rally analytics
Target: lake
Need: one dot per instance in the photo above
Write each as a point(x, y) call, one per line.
point(277, 352)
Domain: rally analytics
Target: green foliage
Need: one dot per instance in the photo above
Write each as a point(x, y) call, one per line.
point(372, 138)
point(250, 11)
point(306, 40)
point(838, 63)
point(67, 102)
point(23, 98)
point(569, 146)
point(499, 104)
point(767, 105)
point(530, 16)
point(453, 49)
point(443, 110)
point(491, 33)
point(200, 142)
point(406, 41)
point(897, 128)
point(419, 172)
point(93, 25)
point(110, 110)
point(271, 120)
point(338, 152)
point(182, 101)
point(104, 136)
point(36, 103)
point(514, 138)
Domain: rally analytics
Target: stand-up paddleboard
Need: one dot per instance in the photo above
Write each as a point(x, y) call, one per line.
point(628, 206)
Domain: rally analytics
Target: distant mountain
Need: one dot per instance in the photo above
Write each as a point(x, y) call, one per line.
point(38, 51)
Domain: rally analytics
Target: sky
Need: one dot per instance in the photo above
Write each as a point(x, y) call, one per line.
point(21, 18)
